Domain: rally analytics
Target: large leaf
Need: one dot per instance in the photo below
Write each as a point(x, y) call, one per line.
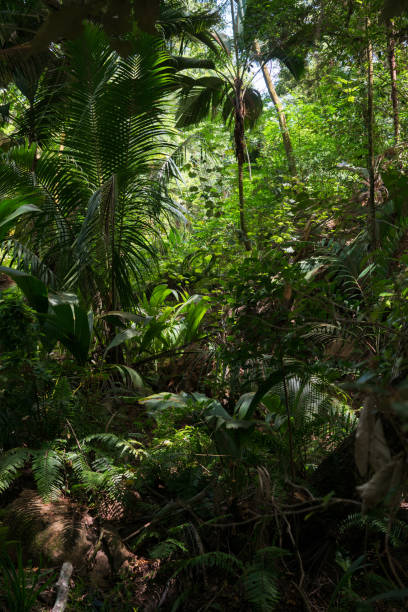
point(72, 326)
point(34, 290)
point(10, 210)
point(273, 379)
point(61, 317)
point(193, 319)
point(121, 337)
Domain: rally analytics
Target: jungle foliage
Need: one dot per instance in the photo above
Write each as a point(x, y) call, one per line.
point(203, 305)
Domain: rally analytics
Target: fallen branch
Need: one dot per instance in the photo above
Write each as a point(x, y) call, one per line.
point(63, 587)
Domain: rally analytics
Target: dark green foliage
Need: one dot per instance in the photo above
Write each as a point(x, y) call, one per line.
point(21, 586)
point(207, 351)
point(18, 328)
point(260, 579)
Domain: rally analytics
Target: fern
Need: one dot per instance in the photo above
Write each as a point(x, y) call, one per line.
point(48, 472)
point(145, 535)
point(115, 444)
point(88, 478)
point(100, 475)
point(260, 580)
point(398, 532)
point(10, 464)
point(213, 559)
point(164, 550)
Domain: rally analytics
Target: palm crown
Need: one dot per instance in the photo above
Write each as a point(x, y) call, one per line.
point(99, 180)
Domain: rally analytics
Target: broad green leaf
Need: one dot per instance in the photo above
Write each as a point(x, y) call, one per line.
point(34, 290)
point(122, 337)
point(10, 210)
point(72, 326)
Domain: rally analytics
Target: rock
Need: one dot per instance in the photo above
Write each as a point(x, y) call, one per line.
point(57, 530)
point(101, 571)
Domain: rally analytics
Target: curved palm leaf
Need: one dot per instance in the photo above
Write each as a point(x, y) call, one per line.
point(200, 98)
point(177, 21)
point(96, 181)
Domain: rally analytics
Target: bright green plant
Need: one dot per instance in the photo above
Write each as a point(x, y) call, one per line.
point(102, 464)
point(93, 180)
point(159, 326)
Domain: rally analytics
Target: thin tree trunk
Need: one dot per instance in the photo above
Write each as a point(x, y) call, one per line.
point(370, 140)
point(287, 143)
point(248, 161)
point(239, 137)
point(393, 74)
point(239, 133)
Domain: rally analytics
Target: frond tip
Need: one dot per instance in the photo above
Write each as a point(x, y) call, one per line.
point(10, 463)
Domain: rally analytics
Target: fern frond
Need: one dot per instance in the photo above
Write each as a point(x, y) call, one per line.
point(260, 587)
point(398, 531)
point(260, 580)
point(213, 559)
point(79, 464)
point(163, 550)
point(115, 444)
point(10, 464)
point(48, 472)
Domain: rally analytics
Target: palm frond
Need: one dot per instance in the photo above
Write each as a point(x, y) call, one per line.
point(100, 181)
point(177, 21)
point(200, 98)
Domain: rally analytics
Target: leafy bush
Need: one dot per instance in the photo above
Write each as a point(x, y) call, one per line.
point(18, 328)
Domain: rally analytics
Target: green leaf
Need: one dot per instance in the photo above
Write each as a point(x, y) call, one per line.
point(272, 380)
point(7, 217)
point(72, 326)
point(243, 404)
point(135, 378)
point(395, 594)
point(34, 290)
point(122, 337)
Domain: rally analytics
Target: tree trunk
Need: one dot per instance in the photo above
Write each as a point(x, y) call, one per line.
point(287, 143)
point(393, 74)
point(370, 141)
point(239, 137)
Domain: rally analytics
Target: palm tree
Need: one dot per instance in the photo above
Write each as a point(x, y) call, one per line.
point(231, 91)
point(39, 73)
point(283, 31)
point(283, 124)
point(99, 179)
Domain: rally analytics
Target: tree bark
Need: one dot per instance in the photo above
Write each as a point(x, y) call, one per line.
point(287, 143)
point(239, 132)
point(393, 74)
point(370, 141)
point(63, 587)
point(239, 138)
